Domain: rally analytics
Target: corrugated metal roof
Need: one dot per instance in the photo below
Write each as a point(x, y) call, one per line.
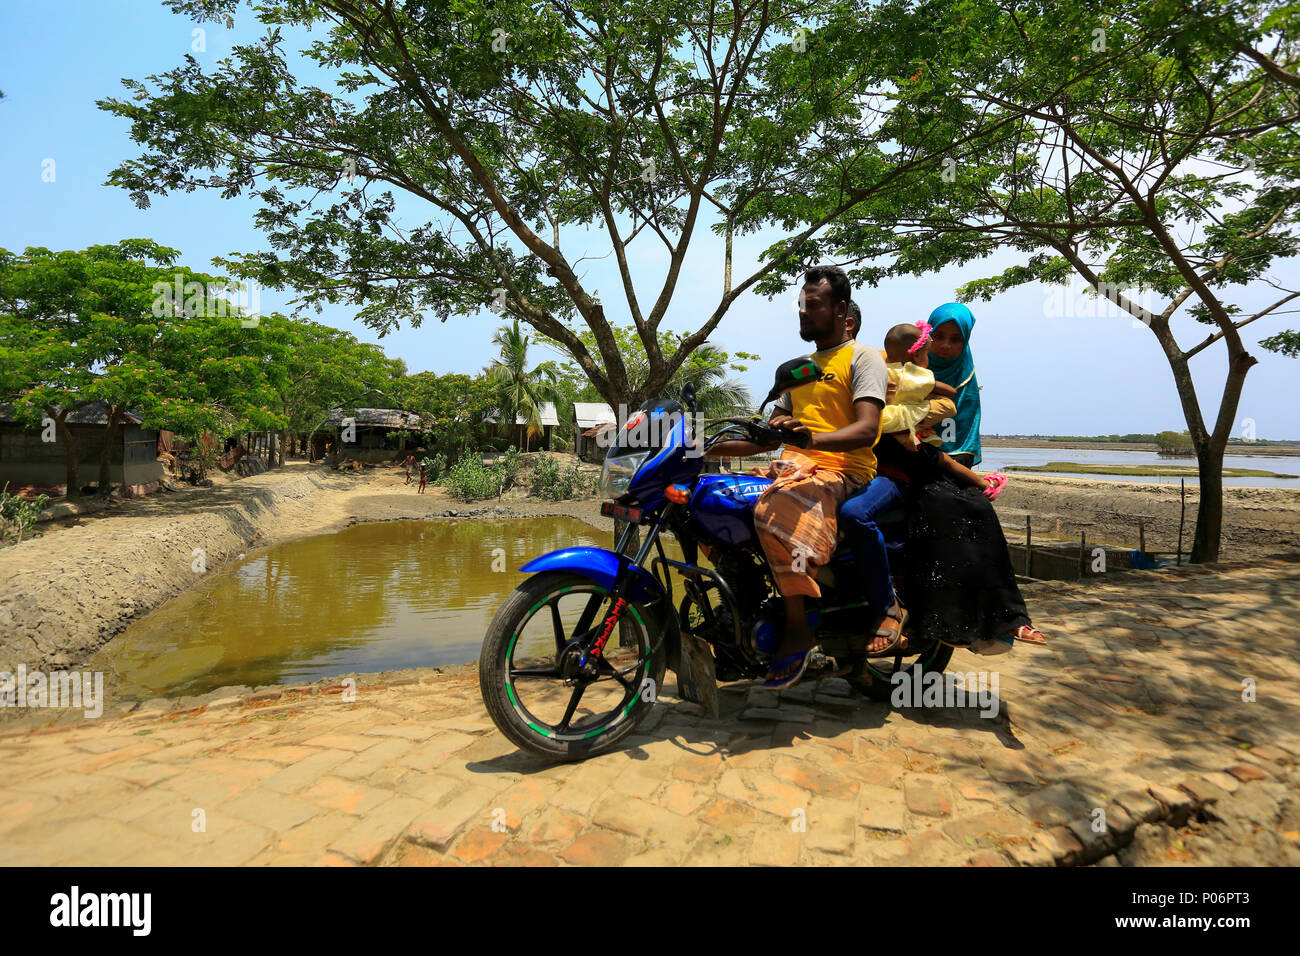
point(96, 413)
point(549, 416)
point(377, 418)
point(591, 414)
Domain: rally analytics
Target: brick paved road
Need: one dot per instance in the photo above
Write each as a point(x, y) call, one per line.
point(1135, 709)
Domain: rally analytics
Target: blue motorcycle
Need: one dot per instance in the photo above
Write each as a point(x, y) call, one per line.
point(575, 657)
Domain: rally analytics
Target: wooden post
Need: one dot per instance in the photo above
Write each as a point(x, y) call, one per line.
point(1142, 536)
point(1029, 538)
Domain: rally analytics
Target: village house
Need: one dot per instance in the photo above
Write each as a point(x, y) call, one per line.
point(589, 420)
point(28, 460)
point(370, 435)
point(519, 435)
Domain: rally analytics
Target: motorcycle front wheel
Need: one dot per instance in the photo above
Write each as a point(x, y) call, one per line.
point(529, 678)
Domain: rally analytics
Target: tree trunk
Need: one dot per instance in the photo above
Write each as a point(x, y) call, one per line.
point(270, 450)
point(284, 442)
point(1209, 511)
point(106, 456)
point(1209, 460)
point(72, 468)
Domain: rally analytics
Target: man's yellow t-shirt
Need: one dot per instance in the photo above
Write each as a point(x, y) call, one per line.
point(849, 372)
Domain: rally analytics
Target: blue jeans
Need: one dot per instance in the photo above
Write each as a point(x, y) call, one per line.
point(858, 519)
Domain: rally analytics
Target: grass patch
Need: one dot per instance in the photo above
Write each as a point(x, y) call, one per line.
point(1144, 471)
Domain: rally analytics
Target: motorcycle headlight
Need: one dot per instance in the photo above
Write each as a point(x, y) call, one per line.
point(619, 471)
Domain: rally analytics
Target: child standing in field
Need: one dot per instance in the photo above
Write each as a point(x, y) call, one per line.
point(424, 475)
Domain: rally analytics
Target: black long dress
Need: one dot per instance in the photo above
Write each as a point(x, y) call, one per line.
point(958, 582)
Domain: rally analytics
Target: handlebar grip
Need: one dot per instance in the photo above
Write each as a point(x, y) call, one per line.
point(765, 434)
point(798, 439)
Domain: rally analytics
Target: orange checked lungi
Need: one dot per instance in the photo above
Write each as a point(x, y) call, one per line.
point(796, 520)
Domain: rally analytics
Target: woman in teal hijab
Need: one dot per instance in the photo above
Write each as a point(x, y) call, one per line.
point(952, 363)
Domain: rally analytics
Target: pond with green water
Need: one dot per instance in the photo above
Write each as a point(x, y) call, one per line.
point(373, 597)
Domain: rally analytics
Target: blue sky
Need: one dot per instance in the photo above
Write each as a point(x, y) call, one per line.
point(1040, 372)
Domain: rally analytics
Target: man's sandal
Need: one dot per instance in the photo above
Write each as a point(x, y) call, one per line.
point(1029, 635)
point(896, 645)
point(780, 683)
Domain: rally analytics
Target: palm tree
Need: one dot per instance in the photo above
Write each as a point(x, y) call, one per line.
point(519, 391)
point(716, 395)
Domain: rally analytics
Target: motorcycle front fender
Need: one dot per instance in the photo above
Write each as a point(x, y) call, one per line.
point(603, 567)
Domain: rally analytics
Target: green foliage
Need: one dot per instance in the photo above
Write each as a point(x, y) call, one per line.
point(434, 465)
point(18, 515)
point(551, 482)
point(469, 479)
point(125, 325)
point(1286, 343)
point(708, 368)
point(511, 463)
point(451, 408)
point(1175, 443)
point(321, 368)
point(769, 116)
point(517, 391)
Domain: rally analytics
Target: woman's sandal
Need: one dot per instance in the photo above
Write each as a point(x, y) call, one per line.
point(896, 644)
point(1029, 635)
point(997, 481)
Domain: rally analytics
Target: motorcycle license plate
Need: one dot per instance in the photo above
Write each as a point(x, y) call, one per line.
point(621, 512)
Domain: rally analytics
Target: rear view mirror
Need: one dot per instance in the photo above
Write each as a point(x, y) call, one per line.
point(688, 397)
point(792, 374)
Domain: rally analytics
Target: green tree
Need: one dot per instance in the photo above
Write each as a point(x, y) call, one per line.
point(451, 408)
point(518, 391)
point(325, 368)
point(1160, 169)
point(515, 125)
point(1174, 443)
point(104, 324)
point(709, 368)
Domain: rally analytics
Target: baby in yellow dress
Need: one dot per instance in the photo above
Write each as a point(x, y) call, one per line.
point(915, 402)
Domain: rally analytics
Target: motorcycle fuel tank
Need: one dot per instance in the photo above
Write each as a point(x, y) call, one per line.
point(723, 506)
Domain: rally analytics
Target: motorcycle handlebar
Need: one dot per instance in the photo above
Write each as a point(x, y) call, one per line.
point(765, 434)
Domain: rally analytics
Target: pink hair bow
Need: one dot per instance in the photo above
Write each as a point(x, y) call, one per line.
point(926, 328)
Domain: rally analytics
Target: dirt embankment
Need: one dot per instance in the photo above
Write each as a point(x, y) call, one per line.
point(69, 591)
point(1255, 520)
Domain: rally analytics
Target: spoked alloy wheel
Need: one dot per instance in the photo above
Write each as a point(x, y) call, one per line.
point(530, 672)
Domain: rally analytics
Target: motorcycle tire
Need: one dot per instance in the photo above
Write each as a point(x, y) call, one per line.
point(874, 679)
point(641, 623)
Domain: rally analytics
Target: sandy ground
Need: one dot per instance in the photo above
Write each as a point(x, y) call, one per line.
point(70, 590)
point(1132, 717)
point(1257, 521)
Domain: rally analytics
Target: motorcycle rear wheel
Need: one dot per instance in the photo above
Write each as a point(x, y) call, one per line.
point(512, 707)
point(876, 677)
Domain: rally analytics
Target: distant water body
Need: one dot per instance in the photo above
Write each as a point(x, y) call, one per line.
point(998, 458)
